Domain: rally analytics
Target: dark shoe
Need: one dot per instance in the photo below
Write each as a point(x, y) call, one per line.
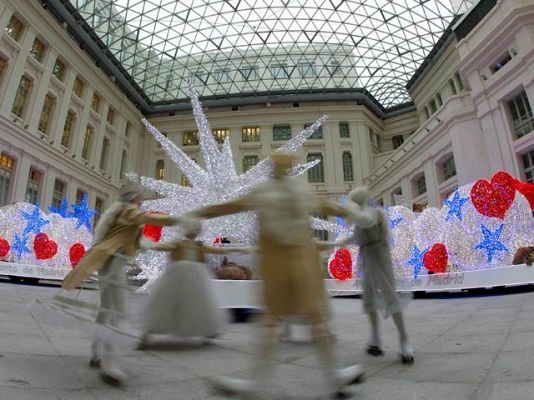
point(111, 380)
point(95, 363)
point(374, 351)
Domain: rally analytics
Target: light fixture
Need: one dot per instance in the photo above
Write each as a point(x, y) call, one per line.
point(513, 51)
point(484, 77)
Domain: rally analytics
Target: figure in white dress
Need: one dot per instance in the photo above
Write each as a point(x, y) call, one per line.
point(372, 235)
point(182, 302)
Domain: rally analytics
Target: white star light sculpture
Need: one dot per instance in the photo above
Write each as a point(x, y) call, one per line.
point(215, 183)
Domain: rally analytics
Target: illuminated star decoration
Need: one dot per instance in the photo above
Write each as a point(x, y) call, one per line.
point(62, 210)
point(417, 260)
point(491, 242)
point(35, 222)
point(19, 245)
point(216, 181)
point(455, 206)
point(83, 213)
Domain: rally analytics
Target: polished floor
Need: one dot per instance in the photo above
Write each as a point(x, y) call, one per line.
point(467, 347)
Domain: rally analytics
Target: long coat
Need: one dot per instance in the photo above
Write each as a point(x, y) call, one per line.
point(289, 260)
point(123, 236)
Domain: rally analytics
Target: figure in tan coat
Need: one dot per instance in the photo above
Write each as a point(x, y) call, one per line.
point(293, 283)
point(117, 239)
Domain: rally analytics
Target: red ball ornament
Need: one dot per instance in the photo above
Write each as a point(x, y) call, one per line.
point(43, 247)
point(76, 252)
point(340, 267)
point(435, 259)
point(153, 232)
point(4, 247)
point(491, 200)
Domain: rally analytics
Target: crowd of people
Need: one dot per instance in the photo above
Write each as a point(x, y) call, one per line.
point(289, 267)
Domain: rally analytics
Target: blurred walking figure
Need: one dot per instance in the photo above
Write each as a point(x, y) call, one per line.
point(117, 239)
point(293, 283)
point(372, 235)
point(182, 301)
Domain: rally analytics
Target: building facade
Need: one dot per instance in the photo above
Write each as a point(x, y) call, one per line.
point(67, 129)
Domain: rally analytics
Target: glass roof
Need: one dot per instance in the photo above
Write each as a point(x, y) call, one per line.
point(262, 47)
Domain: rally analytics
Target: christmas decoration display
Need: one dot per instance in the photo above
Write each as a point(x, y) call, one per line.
point(480, 226)
point(340, 264)
point(28, 235)
point(218, 181)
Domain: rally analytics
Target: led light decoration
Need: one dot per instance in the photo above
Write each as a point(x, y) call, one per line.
point(34, 221)
point(455, 205)
point(62, 210)
point(218, 181)
point(492, 242)
point(34, 237)
point(83, 213)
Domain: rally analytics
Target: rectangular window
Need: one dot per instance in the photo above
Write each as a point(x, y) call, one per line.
point(307, 70)
point(46, 113)
point(521, 113)
point(124, 162)
point(190, 138)
point(79, 85)
point(397, 140)
point(316, 173)
point(104, 153)
point(318, 134)
point(87, 141)
point(452, 87)
point(111, 116)
point(80, 195)
point(459, 81)
point(59, 70)
point(38, 50)
point(3, 67)
point(160, 170)
point(68, 128)
point(221, 76)
point(439, 100)
point(248, 73)
point(59, 193)
point(433, 106)
point(500, 62)
point(14, 28)
point(32, 188)
point(528, 164)
point(280, 71)
point(128, 129)
point(334, 68)
point(251, 134)
point(344, 131)
point(420, 184)
point(220, 134)
point(6, 168)
point(449, 168)
point(95, 102)
point(281, 132)
point(21, 98)
point(249, 162)
point(99, 206)
point(348, 174)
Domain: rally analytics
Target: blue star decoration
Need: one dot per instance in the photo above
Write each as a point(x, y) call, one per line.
point(62, 210)
point(393, 222)
point(455, 206)
point(417, 260)
point(19, 245)
point(35, 222)
point(491, 242)
point(83, 213)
